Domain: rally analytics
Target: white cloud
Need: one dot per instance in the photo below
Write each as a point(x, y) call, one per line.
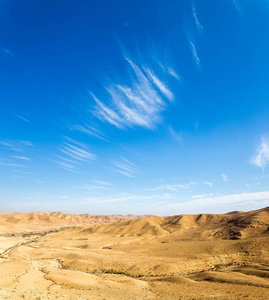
point(90, 130)
point(198, 24)
point(16, 154)
point(224, 177)
point(137, 103)
point(103, 182)
point(125, 167)
point(262, 157)
point(16, 146)
point(173, 73)
point(160, 85)
point(177, 136)
point(66, 166)
point(20, 117)
point(201, 196)
point(12, 165)
point(76, 152)
point(73, 153)
point(21, 157)
point(169, 71)
point(208, 183)
point(171, 187)
point(106, 114)
point(27, 143)
point(203, 203)
point(91, 187)
point(194, 53)
point(116, 198)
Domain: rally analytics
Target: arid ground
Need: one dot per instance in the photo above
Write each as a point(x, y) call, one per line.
point(61, 256)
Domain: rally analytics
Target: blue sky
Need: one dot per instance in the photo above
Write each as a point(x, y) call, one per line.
point(145, 107)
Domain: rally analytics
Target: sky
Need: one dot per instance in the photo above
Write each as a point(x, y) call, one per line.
point(139, 107)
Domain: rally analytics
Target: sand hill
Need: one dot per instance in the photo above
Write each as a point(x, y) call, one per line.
point(235, 225)
point(204, 256)
point(59, 218)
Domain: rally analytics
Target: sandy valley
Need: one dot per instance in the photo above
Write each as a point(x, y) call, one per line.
point(206, 256)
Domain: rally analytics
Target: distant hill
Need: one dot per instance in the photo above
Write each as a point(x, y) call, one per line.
point(59, 219)
point(235, 225)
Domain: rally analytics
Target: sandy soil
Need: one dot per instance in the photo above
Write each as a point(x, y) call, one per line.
point(179, 257)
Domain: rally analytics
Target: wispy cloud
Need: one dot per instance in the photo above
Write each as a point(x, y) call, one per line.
point(40, 181)
point(262, 157)
point(15, 154)
point(116, 198)
point(92, 187)
point(20, 117)
point(177, 136)
point(137, 103)
point(168, 70)
point(9, 164)
point(125, 167)
point(67, 166)
point(198, 24)
point(107, 114)
point(103, 182)
point(76, 152)
point(72, 154)
point(16, 146)
point(27, 143)
point(173, 73)
point(235, 3)
point(160, 85)
point(21, 157)
point(171, 187)
point(208, 183)
point(199, 196)
point(194, 53)
point(224, 177)
point(207, 203)
point(8, 52)
point(90, 130)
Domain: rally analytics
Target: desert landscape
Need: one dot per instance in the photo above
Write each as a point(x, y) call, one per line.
point(63, 256)
point(134, 150)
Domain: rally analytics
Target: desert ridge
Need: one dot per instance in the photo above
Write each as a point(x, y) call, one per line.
point(234, 225)
point(59, 218)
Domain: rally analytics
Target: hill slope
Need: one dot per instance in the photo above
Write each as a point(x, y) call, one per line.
point(236, 225)
point(58, 218)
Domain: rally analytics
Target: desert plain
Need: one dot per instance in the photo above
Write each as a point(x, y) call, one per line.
point(48, 255)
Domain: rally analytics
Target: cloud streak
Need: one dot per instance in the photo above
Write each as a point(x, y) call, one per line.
point(224, 177)
point(198, 24)
point(90, 130)
point(21, 157)
point(177, 136)
point(15, 154)
point(236, 6)
point(172, 187)
point(208, 183)
point(8, 52)
point(138, 103)
point(125, 167)
point(194, 53)
point(262, 157)
point(73, 153)
point(209, 202)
